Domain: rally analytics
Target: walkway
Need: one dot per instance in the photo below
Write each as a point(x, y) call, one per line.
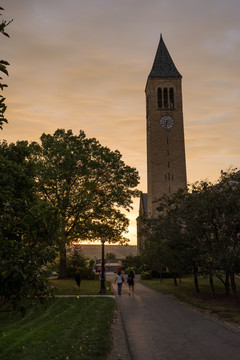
point(160, 328)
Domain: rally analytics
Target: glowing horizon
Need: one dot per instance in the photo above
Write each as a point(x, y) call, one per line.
point(84, 65)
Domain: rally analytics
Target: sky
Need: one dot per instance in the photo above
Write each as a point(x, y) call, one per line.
point(83, 64)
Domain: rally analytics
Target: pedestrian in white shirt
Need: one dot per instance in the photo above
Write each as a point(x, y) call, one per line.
point(119, 280)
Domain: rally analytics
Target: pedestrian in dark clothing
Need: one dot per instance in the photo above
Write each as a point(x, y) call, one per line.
point(78, 277)
point(130, 281)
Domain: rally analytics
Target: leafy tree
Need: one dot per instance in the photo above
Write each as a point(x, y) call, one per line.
point(132, 261)
point(27, 229)
point(212, 215)
point(88, 185)
point(201, 228)
point(167, 243)
point(110, 256)
point(77, 257)
point(3, 69)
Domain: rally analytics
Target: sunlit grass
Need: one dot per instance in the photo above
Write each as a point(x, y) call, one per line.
point(225, 307)
point(68, 287)
point(70, 328)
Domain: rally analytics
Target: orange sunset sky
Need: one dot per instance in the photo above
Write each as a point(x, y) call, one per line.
point(83, 64)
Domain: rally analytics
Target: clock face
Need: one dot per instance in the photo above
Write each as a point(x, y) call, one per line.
point(166, 122)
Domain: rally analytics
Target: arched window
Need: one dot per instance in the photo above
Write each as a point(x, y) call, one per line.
point(159, 97)
point(165, 96)
point(171, 98)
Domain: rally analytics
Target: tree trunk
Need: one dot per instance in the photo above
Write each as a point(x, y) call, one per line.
point(195, 276)
point(63, 263)
point(212, 285)
point(233, 285)
point(180, 277)
point(227, 284)
point(175, 279)
point(161, 274)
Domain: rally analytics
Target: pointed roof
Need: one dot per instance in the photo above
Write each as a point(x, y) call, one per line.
point(163, 65)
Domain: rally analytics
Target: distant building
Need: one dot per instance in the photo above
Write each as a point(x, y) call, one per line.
point(166, 167)
point(120, 251)
point(112, 265)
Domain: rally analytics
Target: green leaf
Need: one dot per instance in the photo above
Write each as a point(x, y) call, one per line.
point(2, 86)
point(3, 62)
point(3, 69)
point(5, 34)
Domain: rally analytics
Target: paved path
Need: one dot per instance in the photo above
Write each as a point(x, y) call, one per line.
point(160, 328)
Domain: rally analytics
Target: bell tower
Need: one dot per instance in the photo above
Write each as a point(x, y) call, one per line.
point(166, 166)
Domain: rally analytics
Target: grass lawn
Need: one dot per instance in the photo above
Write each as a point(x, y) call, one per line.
point(69, 329)
point(226, 307)
point(67, 287)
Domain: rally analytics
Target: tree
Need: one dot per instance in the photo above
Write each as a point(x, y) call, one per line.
point(132, 261)
point(215, 211)
point(3, 69)
point(200, 228)
point(226, 228)
point(167, 243)
point(88, 185)
point(110, 256)
point(27, 229)
point(77, 257)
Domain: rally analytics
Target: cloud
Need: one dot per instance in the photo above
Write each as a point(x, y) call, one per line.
point(84, 65)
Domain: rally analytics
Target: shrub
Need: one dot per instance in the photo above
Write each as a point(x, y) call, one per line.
point(155, 274)
point(146, 276)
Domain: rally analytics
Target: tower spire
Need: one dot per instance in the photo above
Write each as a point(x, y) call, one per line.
point(163, 65)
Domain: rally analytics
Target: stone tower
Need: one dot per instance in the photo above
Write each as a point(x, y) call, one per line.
point(166, 166)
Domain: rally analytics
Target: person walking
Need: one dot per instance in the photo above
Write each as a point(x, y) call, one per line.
point(78, 277)
point(130, 281)
point(119, 280)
